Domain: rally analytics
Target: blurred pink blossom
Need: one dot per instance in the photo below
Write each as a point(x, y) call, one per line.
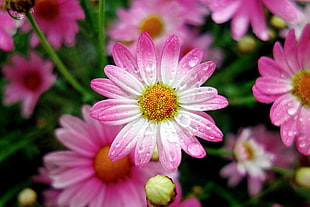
point(28, 80)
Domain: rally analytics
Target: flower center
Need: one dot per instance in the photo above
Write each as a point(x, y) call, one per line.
point(32, 81)
point(152, 25)
point(301, 83)
point(158, 102)
point(108, 171)
point(47, 9)
point(244, 152)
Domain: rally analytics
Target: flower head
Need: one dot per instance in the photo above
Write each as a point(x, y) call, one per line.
point(160, 100)
point(58, 21)
point(28, 78)
point(285, 82)
point(86, 176)
point(250, 159)
point(245, 12)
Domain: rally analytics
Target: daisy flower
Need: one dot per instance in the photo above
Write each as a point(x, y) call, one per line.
point(84, 173)
point(194, 11)
point(285, 82)
point(58, 21)
point(160, 100)
point(245, 12)
point(29, 79)
point(250, 159)
point(152, 16)
point(7, 29)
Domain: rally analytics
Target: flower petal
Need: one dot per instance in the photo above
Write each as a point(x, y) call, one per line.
point(269, 68)
point(303, 145)
point(290, 51)
point(213, 103)
point(196, 95)
point(146, 59)
point(169, 150)
point(263, 97)
point(169, 59)
point(258, 20)
point(126, 139)
point(190, 60)
point(288, 131)
point(123, 58)
point(107, 88)
point(124, 80)
point(240, 22)
point(66, 159)
point(199, 126)
point(285, 9)
point(273, 86)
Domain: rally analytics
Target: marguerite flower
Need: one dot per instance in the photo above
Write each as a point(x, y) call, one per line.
point(28, 78)
point(251, 160)
point(152, 16)
point(160, 100)
point(285, 82)
point(86, 176)
point(245, 12)
point(58, 21)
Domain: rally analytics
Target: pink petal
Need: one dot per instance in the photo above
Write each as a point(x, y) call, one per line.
point(190, 60)
point(71, 176)
point(285, 9)
point(146, 59)
point(190, 202)
point(254, 185)
point(304, 47)
point(199, 126)
point(28, 105)
point(6, 41)
point(123, 58)
point(169, 151)
point(263, 97)
point(73, 123)
point(145, 144)
point(133, 193)
point(196, 76)
point(269, 68)
point(196, 95)
point(273, 86)
point(290, 51)
point(288, 131)
point(240, 22)
point(303, 145)
point(217, 102)
point(258, 20)
point(99, 201)
point(124, 80)
point(107, 88)
point(126, 139)
point(169, 59)
point(67, 194)
point(230, 171)
point(280, 58)
point(223, 10)
point(67, 159)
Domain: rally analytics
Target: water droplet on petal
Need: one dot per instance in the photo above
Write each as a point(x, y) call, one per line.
point(292, 111)
point(16, 15)
point(193, 61)
point(149, 66)
point(195, 150)
point(185, 120)
point(172, 156)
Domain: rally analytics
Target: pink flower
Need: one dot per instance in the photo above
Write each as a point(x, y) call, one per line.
point(194, 11)
point(7, 29)
point(86, 176)
point(29, 79)
point(285, 82)
point(152, 16)
point(251, 160)
point(160, 100)
point(245, 12)
point(58, 21)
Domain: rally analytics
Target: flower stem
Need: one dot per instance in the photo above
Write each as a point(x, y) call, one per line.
point(101, 33)
point(218, 152)
point(53, 55)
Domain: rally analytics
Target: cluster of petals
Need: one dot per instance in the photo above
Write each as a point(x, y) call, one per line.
point(130, 22)
point(128, 80)
point(243, 13)
point(290, 110)
point(73, 171)
point(58, 20)
point(28, 79)
point(7, 29)
point(250, 158)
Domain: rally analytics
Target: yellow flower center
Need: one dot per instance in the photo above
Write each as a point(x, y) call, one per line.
point(47, 9)
point(244, 152)
point(301, 84)
point(158, 102)
point(108, 171)
point(152, 25)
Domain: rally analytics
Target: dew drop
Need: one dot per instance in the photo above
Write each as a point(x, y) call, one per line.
point(172, 156)
point(292, 111)
point(185, 120)
point(117, 145)
point(194, 149)
point(16, 15)
point(149, 66)
point(148, 131)
point(302, 144)
point(193, 61)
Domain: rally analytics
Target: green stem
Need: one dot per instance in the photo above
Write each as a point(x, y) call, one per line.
point(53, 55)
point(101, 34)
point(283, 171)
point(218, 152)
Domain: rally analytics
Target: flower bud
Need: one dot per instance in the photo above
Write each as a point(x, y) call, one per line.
point(27, 197)
point(302, 177)
point(160, 190)
point(277, 22)
point(247, 44)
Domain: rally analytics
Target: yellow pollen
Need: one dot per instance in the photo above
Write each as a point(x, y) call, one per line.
point(152, 25)
point(108, 171)
point(158, 102)
point(301, 84)
point(243, 152)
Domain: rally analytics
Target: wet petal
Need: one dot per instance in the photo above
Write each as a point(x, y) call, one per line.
point(107, 88)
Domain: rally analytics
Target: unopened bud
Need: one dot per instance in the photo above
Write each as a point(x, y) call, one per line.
point(277, 22)
point(302, 177)
point(247, 44)
point(160, 190)
point(27, 197)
